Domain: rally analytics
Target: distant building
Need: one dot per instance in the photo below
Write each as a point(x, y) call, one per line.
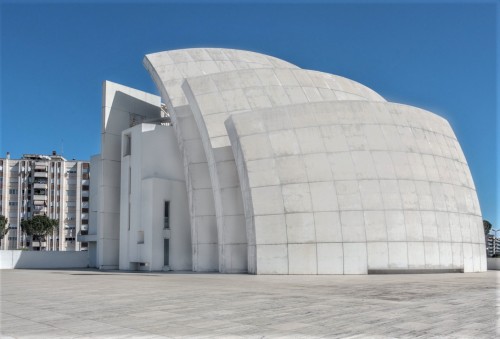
point(268, 168)
point(492, 245)
point(45, 185)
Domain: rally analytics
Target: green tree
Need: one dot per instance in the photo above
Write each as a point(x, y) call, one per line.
point(487, 227)
point(39, 227)
point(4, 226)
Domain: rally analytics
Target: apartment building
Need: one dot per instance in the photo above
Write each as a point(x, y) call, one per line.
point(45, 185)
point(492, 245)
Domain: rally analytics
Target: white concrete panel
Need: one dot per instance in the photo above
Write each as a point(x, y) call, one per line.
point(236, 257)
point(231, 201)
point(431, 255)
point(272, 259)
point(300, 228)
point(284, 143)
point(383, 165)
point(424, 195)
point(371, 198)
point(374, 137)
point(390, 194)
point(355, 261)
point(378, 255)
point(302, 259)
point(200, 176)
point(194, 152)
point(296, 198)
point(270, 229)
point(458, 255)
point(342, 166)
point(429, 226)
point(398, 255)
point(291, 169)
point(455, 228)
point(267, 200)
point(203, 200)
point(416, 255)
point(276, 120)
point(465, 228)
point(413, 223)
point(317, 167)
point(262, 173)
point(445, 255)
point(353, 226)
point(375, 226)
point(207, 257)
point(476, 261)
point(417, 166)
point(256, 147)
point(468, 257)
point(443, 227)
point(323, 196)
point(310, 140)
point(330, 258)
point(409, 195)
point(348, 195)
point(328, 227)
point(206, 229)
point(235, 100)
point(334, 138)
point(234, 230)
point(438, 196)
point(363, 165)
point(396, 229)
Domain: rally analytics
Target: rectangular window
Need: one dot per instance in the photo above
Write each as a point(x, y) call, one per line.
point(12, 191)
point(140, 237)
point(166, 215)
point(166, 249)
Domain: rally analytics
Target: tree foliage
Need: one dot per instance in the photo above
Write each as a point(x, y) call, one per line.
point(39, 226)
point(487, 227)
point(4, 226)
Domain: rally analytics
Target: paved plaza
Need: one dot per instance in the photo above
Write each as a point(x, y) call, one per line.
point(87, 303)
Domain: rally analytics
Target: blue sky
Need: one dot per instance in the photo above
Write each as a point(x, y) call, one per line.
point(441, 57)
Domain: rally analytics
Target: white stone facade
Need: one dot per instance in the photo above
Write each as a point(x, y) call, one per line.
point(286, 171)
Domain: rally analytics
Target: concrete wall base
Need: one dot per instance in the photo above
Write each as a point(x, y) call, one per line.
point(42, 259)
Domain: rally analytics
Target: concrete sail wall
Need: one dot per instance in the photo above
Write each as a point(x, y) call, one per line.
point(348, 187)
point(169, 70)
point(291, 171)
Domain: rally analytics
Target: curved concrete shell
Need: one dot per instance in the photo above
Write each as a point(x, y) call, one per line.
point(292, 171)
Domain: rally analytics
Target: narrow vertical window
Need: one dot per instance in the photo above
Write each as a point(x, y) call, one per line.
point(166, 250)
point(166, 215)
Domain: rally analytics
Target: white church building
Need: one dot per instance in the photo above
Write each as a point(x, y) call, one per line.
point(247, 163)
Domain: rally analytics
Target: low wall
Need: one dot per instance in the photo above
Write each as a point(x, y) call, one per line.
point(43, 259)
point(494, 264)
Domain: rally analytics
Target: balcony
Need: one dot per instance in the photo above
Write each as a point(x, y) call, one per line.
point(85, 194)
point(39, 197)
point(86, 238)
point(41, 175)
point(84, 228)
point(40, 186)
point(40, 209)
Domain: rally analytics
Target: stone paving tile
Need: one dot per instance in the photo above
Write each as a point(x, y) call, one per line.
point(87, 304)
